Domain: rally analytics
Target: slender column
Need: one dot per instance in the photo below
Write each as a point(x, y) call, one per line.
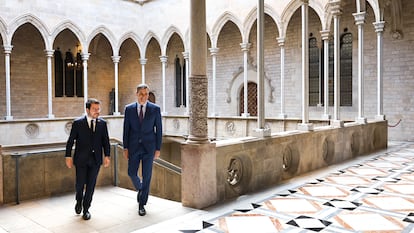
point(7, 52)
point(49, 55)
point(116, 59)
point(213, 53)
point(143, 61)
point(360, 21)
point(245, 48)
point(305, 125)
point(164, 99)
point(379, 29)
point(260, 131)
point(85, 58)
point(281, 41)
point(336, 11)
point(325, 38)
point(186, 57)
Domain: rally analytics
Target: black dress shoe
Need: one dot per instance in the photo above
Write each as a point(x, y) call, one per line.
point(141, 210)
point(86, 215)
point(78, 207)
point(139, 195)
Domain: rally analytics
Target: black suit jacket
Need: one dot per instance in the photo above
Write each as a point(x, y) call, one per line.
point(88, 143)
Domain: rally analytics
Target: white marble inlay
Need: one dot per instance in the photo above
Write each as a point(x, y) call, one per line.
point(249, 224)
point(293, 205)
point(391, 203)
point(369, 222)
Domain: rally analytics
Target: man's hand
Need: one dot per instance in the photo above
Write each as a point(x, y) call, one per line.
point(107, 161)
point(69, 162)
point(126, 155)
point(157, 154)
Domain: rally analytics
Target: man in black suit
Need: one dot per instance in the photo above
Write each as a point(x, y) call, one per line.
point(92, 141)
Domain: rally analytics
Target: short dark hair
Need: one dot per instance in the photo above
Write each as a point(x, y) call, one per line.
point(91, 101)
point(142, 86)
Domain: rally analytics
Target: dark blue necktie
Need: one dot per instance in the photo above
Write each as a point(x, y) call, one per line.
point(141, 114)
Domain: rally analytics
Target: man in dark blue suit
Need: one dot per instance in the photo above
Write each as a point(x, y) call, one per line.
point(142, 142)
point(92, 141)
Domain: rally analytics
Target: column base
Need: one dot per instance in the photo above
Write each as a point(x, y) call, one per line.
point(245, 114)
point(261, 133)
point(116, 113)
point(164, 113)
point(305, 126)
point(326, 117)
point(282, 115)
point(361, 120)
point(197, 140)
point(51, 116)
point(198, 179)
point(8, 118)
point(380, 117)
point(337, 123)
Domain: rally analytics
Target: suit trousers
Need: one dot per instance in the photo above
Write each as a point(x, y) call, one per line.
point(133, 166)
point(86, 176)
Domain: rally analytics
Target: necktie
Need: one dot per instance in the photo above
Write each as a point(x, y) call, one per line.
point(92, 125)
point(141, 114)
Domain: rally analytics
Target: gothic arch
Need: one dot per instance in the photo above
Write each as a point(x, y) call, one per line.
point(222, 20)
point(70, 26)
point(167, 36)
point(33, 20)
point(107, 33)
point(146, 41)
point(252, 17)
point(133, 37)
point(3, 32)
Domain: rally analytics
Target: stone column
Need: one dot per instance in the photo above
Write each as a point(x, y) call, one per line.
point(245, 48)
point(164, 65)
point(379, 29)
point(213, 53)
point(186, 56)
point(143, 61)
point(116, 59)
point(49, 55)
point(305, 125)
point(85, 58)
point(360, 21)
point(7, 52)
point(281, 42)
point(325, 38)
point(198, 155)
point(260, 131)
point(336, 12)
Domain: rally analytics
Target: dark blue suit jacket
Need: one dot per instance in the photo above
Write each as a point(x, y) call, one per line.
point(87, 141)
point(147, 134)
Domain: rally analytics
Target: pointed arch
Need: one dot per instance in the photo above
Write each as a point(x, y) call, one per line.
point(146, 41)
point(129, 35)
point(252, 17)
point(36, 22)
point(3, 32)
point(222, 20)
point(107, 33)
point(167, 36)
point(71, 27)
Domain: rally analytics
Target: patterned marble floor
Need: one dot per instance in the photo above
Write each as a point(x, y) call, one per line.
point(375, 194)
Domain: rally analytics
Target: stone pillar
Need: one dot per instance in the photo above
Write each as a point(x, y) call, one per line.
point(245, 48)
point(379, 29)
point(116, 59)
point(260, 131)
point(49, 55)
point(305, 125)
point(360, 21)
point(198, 155)
point(143, 61)
point(164, 99)
point(85, 58)
point(7, 52)
point(336, 12)
point(281, 41)
point(213, 53)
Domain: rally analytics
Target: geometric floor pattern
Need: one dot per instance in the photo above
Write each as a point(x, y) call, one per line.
point(375, 195)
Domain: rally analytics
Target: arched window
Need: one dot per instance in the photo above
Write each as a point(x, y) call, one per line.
point(58, 73)
point(180, 83)
point(68, 75)
point(251, 99)
point(345, 70)
point(314, 68)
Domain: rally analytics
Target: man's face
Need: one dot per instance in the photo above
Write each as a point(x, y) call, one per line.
point(94, 111)
point(143, 95)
